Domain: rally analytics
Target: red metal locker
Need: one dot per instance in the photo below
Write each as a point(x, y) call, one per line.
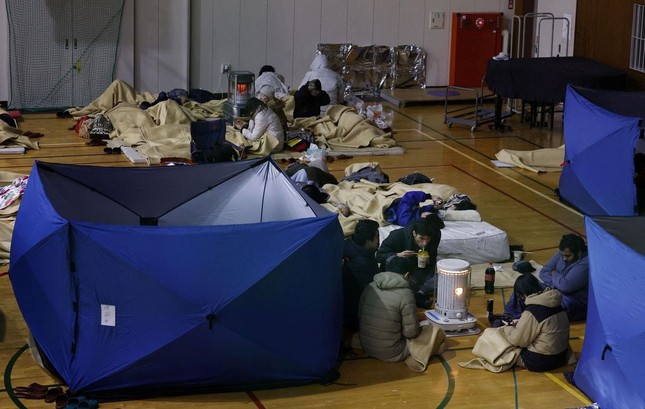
point(475, 38)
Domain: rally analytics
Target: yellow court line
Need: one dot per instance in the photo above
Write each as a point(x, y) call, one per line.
point(568, 388)
point(501, 174)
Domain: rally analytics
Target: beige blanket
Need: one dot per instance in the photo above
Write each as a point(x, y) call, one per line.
point(162, 130)
point(424, 347)
point(368, 200)
point(7, 217)
point(493, 352)
point(10, 136)
point(538, 161)
point(343, 128)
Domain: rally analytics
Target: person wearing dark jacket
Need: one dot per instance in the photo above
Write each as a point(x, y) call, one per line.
point(359, 267)
point(308, 100)
point(405, 243)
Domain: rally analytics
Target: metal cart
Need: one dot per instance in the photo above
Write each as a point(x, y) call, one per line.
point(474, 113)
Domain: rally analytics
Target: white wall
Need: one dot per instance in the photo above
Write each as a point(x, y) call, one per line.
point(552, 40)
point(169, 44)
point(284, 33)
point(153, 50)
point(161, 44)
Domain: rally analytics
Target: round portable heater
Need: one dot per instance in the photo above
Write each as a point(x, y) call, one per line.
point(452, 287)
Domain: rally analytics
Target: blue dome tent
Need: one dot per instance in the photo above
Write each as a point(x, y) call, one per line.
point(600, 139)
point(611, 369)
point(179, 279)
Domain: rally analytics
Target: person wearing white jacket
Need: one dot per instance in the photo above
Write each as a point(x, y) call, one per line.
point(268, 76)
point(263, 124)
point(332, 82)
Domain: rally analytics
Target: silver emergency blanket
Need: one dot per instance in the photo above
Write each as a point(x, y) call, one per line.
point(368, 69)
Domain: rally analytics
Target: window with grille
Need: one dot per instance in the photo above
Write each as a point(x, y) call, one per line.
point(637, 54)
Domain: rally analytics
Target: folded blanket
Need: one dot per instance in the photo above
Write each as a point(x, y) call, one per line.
point(538, 161)
point(493, 351)
point(425, 346)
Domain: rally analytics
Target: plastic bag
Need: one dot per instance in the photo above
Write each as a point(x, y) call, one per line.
point(316, 157)
point(315, 152)
point(381, 118)
point(357, 103)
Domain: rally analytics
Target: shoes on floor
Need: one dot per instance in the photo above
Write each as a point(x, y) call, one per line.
point(33, 391)
point(53, 393)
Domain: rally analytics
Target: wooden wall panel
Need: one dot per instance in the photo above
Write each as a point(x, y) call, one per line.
point(603, 33)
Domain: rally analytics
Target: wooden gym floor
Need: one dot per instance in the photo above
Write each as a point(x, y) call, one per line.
point(520, 202)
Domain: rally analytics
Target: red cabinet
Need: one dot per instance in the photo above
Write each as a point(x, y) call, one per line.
point(475, 38)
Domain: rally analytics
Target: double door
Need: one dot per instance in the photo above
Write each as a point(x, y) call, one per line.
point(62, 53)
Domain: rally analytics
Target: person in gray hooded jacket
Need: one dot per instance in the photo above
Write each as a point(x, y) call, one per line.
point(387, 316)
point(389, 328)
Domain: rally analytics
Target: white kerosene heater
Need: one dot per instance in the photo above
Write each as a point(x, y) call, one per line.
point(241, 88)
point(452, 289)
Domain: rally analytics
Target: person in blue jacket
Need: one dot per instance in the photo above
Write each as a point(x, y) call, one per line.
point(568, 272)
point(408, 209)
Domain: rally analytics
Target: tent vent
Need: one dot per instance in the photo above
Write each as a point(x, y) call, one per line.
point(149, 221)
point(211, 319)
point(605, 349)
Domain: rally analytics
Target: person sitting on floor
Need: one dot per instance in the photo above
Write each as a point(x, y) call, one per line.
point(568, 272)
point(542, 330)
point(268, 76)
point(263, 126)
point(389, 329)
point(405, 244)
point(309, 99)
point(332, 82)
point(359, 267)
point(266, 94)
